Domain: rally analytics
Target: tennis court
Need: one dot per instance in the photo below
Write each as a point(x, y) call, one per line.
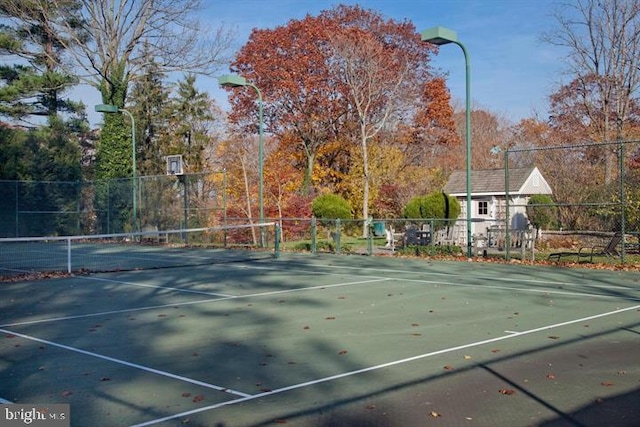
point(326, 340)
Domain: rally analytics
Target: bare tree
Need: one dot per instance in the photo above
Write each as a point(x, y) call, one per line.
point(603, 43)
point(381, 64)
point(107, 38)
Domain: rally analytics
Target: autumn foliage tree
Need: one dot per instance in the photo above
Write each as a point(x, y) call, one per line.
point(288, 64)
point(332, 86)
point(603, 60)
point(381, 63)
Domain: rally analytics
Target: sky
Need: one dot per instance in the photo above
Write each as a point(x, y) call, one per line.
point(512, 72)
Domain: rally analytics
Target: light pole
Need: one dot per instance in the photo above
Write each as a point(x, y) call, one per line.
point(112, 109)
point(231, 80)
point(441, 36)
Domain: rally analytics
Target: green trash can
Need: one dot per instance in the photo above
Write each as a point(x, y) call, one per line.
point(378, 229)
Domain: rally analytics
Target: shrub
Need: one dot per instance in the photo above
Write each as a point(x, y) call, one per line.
point(436, 205)
point(542, 216)
point(331, 206)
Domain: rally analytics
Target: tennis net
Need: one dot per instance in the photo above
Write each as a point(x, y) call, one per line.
point(136, 251)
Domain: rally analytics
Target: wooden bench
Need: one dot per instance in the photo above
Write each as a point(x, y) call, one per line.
point(611, 249)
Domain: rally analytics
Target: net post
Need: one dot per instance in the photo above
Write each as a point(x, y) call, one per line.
point(276, 251)
point(68, 255)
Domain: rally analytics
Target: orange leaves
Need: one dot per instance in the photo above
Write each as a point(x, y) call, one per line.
point(309, 71)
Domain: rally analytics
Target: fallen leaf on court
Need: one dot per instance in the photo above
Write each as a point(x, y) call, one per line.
point(554, 337)
point(417, 335)
point(162, 315)
point(551, 376)
point(186, 421)
point(198, 398)
point(434, 414)
point(495, 350)
point(341, 352)
point(606, 384)
point(330, 318)
point(467, 357)
point(67, 393)
point(342, 297)
point(370, 407)
point(506, 391)
point(281, 421)
point(10, 336)
point(105, 379)
point(622, 372)
point(415, 324)
point(195, 354)
point(448, 368)
point(186, 394)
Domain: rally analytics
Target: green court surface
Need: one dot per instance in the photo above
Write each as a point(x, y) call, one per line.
point(326, 340)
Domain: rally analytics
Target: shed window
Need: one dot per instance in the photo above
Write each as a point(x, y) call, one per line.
point(483, 208)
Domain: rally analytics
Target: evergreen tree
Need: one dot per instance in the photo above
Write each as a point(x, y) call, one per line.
point(32, 75)
point(191, 124)
point(150, 106)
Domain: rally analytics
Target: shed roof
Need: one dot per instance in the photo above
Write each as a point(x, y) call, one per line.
point(492, 181)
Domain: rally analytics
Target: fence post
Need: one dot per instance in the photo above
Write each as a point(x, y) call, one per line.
point(314, 230)
point(277, 237)
point(507, 237)
point(17, 225)
point(369, 222)
point(336, 239)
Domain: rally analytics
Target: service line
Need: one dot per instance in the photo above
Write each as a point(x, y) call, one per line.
point(386, 365)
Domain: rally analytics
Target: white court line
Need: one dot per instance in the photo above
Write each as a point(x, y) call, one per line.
point(233, 297)
point(129, 364)
point(487, 286)
point(169, 288)
point(384, 365)
point(519, 289)
point(436, 273)
point(5, 401)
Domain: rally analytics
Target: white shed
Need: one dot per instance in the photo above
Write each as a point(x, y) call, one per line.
point(488, 198)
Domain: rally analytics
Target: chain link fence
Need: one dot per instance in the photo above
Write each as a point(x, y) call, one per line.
point(595, 202)
point(41, 208)
point(596, 197)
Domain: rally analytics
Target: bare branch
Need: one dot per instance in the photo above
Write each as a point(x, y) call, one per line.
point(119, 28)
